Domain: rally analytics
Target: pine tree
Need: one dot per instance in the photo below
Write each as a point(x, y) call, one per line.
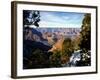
point(67, 50)
point(31, 18)
point(85, 43)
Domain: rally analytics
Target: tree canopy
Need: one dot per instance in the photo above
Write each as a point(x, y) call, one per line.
point(85, 43)
point(31, 17)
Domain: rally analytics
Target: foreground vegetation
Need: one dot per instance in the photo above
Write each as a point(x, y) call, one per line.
point(39, 58)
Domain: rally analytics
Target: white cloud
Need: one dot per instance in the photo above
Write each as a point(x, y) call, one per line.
point(66, 17)
point(57, 25)
point(54, 19)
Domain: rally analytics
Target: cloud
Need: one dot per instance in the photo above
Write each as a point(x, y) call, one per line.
point(61, 19)
point(66, 17)
point(45, 24)
point(51, 17)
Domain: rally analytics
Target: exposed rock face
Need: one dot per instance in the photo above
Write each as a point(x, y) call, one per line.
point(57, 45)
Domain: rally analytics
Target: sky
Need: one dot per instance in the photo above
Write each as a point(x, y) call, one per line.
point(61, 19)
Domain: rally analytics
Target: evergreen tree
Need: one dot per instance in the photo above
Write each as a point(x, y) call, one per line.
point(55, 59)
point(85, 43)
point(67, 50)
point(31, 18)
point(67, 47)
